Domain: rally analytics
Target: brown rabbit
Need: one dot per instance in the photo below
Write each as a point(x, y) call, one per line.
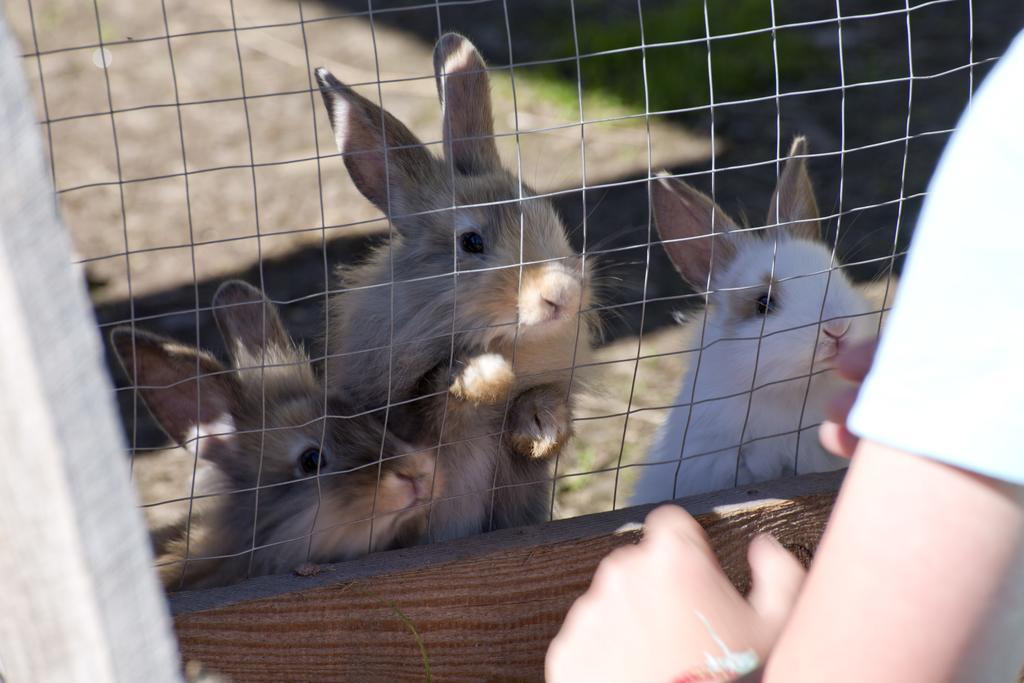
point(478, 302)
point(284, 484)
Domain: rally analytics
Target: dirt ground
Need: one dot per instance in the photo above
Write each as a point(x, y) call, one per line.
point(224, 165)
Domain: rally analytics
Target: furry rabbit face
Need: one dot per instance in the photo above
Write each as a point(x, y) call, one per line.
point(343, 483)
point(492, 294)
point(779, 293)
point(281, 472)
point(776, 295)
point(470, 241)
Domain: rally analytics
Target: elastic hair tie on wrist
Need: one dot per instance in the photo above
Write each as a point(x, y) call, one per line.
point(724, 668)
point(704, 675)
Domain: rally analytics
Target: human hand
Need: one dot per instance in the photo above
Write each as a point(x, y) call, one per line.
point(852, 364)
point(663, 610)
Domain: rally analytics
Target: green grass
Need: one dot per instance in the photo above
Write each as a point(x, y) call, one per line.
point(676, 75)
point(560, 93)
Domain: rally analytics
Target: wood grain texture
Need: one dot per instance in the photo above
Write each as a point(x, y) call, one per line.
point(422, 557)
point(488, 616)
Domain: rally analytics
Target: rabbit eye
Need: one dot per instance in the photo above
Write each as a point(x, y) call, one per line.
point(766, 304)
point(472, 243)
point(310, 461)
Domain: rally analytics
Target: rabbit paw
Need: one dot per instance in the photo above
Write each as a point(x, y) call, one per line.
point(540, 422)
point(486, 378)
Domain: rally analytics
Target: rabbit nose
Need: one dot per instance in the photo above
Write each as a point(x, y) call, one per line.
point(554, 305)
point(548, 293)
point(836, 329)
point(561, 292)
point(411, 484)
point(419, 477)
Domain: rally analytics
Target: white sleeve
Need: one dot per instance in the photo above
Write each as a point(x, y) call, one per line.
point(948, 379)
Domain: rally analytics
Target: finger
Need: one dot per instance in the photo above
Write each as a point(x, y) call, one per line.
point(777, 577)
point(588, 616)
point(562, 660)
point(677, 549)
point(839, 406)
point(554, 662)
point(854, 362)
point(837, 439)
point(613, 572)
point(671, 524)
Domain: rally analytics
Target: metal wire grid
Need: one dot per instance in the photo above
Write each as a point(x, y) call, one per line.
point(589, 251)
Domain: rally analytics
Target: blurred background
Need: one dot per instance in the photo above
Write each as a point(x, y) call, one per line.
point(187, 146)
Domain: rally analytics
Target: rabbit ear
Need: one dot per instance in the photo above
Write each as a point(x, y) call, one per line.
point(793, 201)
point(464, 90)
point(185, 389)
point(248, 322)
point(682, 212)
point(386, 161)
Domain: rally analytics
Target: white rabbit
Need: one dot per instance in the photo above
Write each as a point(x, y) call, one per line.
point(768, 326)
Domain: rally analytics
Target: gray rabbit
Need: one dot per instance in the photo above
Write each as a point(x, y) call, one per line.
point(468, 323)
point(285, 478)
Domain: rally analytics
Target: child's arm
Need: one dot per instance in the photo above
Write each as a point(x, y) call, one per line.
point(919, 578)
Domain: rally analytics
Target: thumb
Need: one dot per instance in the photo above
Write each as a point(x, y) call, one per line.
point(777, 578)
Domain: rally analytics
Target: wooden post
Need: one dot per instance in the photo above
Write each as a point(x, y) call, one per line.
point(80, 601)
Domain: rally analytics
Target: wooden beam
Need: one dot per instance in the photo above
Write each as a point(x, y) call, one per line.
point(476, 609)
point(80, 602)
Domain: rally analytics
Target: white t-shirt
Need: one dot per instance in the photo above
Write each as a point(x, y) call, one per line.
point(948, 379)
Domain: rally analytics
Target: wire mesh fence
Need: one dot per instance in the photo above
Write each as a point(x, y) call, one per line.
point(505, 350)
